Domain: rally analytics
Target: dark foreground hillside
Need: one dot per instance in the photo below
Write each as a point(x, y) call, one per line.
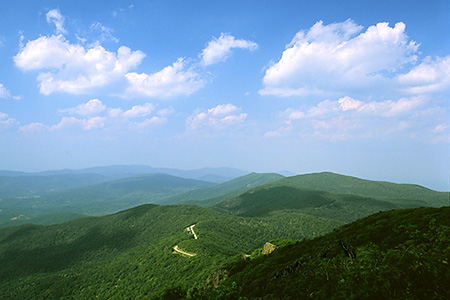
point(398, 254)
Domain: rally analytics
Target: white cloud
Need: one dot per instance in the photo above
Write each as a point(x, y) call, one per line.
point(139, 111)
point(85, 124)
point(71, 68)
point(54, 16)
point(217, 117)
point(336, 57)
point(97, 115)
point(106, 33)
point(115, 112)
point(33, 127)
point(348, 117)
point(4, 93)
point(166, 111)
point(150, 121)
point(93, 106)
point(6, 121)
point(388, 108)
point(219, 49)
point(172, 81)
point(348, 103)
point(440, 128)
point(428, 77)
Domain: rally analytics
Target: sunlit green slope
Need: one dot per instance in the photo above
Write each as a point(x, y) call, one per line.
point(131, 254)
point(331, 196)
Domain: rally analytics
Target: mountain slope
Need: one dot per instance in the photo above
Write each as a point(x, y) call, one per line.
point(342, 198)
point(341, 184)
point(269, 200)
point(130, 254)
point(400, 254)
point(228, 189)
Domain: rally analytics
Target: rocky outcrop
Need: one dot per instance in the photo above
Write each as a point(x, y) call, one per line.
point(268, 248)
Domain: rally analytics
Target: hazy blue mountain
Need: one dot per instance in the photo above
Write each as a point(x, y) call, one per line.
point(216, 175)
point(22, 186)
point(97, 199)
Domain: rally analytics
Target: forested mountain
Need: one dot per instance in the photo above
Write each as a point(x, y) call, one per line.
point(175, 250)
point(214, 194)
point(331, 196)
point(131, 254)
point(399, 254)
point(341, 184)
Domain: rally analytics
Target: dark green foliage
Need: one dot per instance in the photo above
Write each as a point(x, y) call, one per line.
point(400, 254)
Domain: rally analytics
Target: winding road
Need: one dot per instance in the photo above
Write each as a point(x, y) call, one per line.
point(189, 229)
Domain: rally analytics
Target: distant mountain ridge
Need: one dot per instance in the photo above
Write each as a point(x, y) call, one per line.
point(106, 197)
point(21, 186)
point(217, 193)
point(217, 175)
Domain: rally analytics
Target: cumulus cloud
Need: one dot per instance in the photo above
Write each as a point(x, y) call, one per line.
point(72, 68)
point(85, 124)
point(218, 117)
point(430, 76)
point(93, 106)
point(139, 111)
point(388, 108)
point(97, 115)
point(54, 16)
point(333, 58)
point(219, 49)
point(347, 117)
point(172, 81)
point(155, 120)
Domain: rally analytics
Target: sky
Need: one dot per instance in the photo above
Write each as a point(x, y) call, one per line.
point(358, 88)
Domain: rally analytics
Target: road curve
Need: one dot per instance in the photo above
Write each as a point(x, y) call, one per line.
point(178, 250)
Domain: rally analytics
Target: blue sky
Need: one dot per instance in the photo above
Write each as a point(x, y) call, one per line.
point(353, 87)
